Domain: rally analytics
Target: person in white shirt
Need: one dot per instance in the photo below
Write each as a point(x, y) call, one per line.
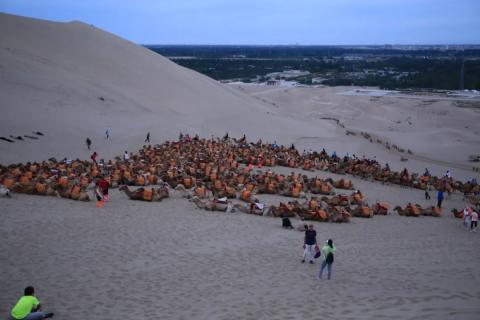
point(466, 217)
point(126, 156)
point(473, 224)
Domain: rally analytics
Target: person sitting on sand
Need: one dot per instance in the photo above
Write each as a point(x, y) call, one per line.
point(286, 223)
point(28, 307)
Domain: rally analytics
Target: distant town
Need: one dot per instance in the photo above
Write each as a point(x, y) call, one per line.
point(444, 67)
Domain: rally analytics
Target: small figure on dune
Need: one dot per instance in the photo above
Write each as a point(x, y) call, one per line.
point(107, 134)
point(147, 139)
point(89, 143)
point(94, 157)
point(126, 157)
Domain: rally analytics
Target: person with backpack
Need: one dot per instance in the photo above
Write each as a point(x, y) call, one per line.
point(327, 250)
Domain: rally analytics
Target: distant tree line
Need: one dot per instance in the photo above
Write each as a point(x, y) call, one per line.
point(380, 67)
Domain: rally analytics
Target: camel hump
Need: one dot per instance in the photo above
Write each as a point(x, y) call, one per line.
point(384, 205)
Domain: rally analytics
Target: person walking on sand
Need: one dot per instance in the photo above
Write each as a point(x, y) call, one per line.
point(28, 307)
point(107, 134)
point(126, 157)
point(328, 249)
point(439, 198)
point(466, 217)
point(89, 143)
point(147, 139)
point(104, 185)
point(473, 224)
point(309, 243)
point(94, 157)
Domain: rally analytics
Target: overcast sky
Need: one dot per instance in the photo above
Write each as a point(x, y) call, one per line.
point(304, 22)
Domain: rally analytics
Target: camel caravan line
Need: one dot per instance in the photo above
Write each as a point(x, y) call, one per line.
point(202, 169)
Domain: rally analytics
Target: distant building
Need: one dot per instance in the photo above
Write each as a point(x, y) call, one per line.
point(273, 82)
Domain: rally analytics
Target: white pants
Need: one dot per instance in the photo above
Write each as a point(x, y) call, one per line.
point(308, 252)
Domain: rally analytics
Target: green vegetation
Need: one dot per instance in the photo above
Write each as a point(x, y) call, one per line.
point(372, 66)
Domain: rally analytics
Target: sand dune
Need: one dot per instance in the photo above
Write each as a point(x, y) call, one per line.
point(72, 80)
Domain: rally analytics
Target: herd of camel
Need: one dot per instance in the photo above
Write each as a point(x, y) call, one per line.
point(212, 172)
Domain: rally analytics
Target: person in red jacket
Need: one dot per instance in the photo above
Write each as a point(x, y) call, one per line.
point(104, 185)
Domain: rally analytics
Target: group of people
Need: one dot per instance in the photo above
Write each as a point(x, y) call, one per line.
point(312, 251)
point(470, 219)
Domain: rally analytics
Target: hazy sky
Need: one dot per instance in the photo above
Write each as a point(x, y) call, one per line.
point(269, 21)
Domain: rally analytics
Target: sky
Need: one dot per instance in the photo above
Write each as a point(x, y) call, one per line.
point(266, 22)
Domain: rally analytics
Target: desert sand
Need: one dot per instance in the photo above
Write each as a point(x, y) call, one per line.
point(139, 260)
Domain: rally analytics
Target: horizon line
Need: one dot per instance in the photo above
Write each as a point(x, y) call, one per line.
point(311, 45)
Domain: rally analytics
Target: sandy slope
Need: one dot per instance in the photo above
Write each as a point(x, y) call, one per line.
point(135, 260)
point(53, 74)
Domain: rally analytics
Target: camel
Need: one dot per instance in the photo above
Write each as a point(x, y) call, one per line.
point(339, 215)
point(357, 198)
point(409, 211)
point(75, 193)
point(457, 214)
point(362, 211)
point(251, 209)
point(283, 210)
point(186, 193)
point(211, 205)
point(146, 194)
point(338, 200)
point(381, 208)
point(342, 184)
point(4, 192)
point(431, 211)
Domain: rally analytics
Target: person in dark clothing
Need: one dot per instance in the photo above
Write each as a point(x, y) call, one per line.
point(94, 157)
point(286, 223)
point(89, 143)
point(309, 244)
point(427, 195)
point(147, 139)
point(439, 198)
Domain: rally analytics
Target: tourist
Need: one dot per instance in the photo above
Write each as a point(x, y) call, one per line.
point(286, 223)
point(427, 195)
point(94, 157)
point(448, 175)
point(147, 139)
point(126, 157)
point(28, 307)
point(107, 134)
point(439, 198)
point(104, 185)
point(466, 217)
point(89, 143)
point(309, 243)
point(474, 218)
point(328, 249)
